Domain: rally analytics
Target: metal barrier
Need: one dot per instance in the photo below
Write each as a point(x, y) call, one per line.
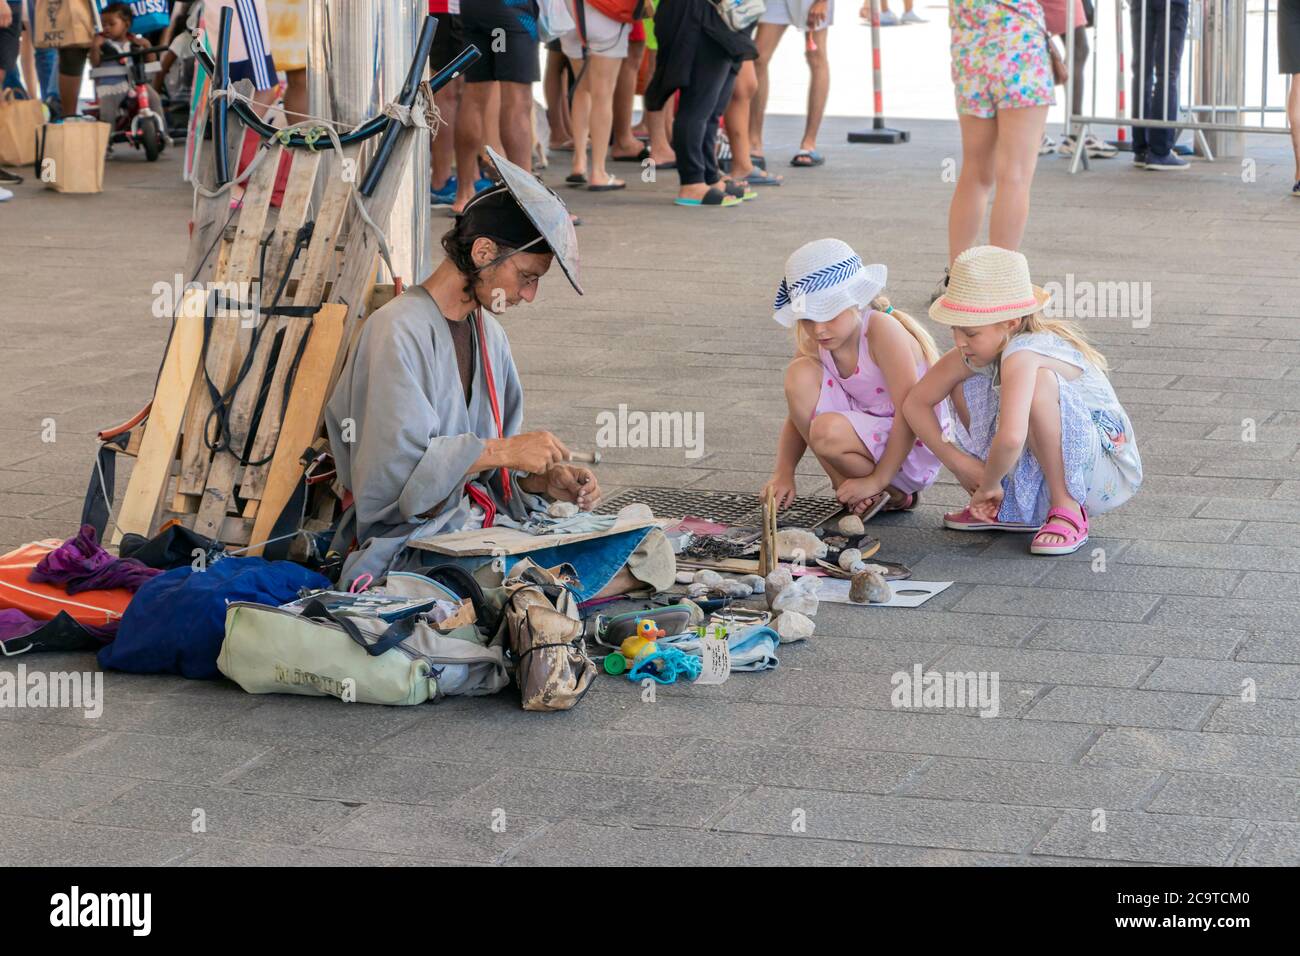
point(1214, 103)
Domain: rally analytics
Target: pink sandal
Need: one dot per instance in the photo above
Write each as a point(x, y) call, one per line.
point(1063, 523)
point(965, 521)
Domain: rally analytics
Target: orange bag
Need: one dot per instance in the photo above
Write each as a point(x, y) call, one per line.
point(624, 11)
point(44, 601)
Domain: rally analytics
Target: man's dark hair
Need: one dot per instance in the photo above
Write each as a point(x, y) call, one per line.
point(119, 10)
point(459, 246)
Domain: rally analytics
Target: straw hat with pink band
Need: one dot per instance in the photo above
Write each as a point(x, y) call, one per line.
point(988, 284)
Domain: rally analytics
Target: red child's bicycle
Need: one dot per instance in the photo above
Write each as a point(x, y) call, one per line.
point(136, 122)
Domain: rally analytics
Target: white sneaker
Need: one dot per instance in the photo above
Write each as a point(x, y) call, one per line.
point(1096, 147)
point(889, 19)
point(911, 16)
point(1047, 146)
point(5, 195)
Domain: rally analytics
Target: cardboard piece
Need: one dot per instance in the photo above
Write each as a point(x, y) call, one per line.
point(906, 593)
point(484, 542)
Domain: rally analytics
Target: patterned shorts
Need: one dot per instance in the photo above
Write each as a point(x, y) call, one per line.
point(999, 56)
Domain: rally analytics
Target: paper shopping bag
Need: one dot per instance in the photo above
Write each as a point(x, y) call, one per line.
point(20, 121)
point(71, 156)
point(63, 23)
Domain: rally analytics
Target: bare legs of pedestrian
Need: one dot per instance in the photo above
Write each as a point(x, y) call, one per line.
point(443, 149)
point(625, 144)
point(819, 88)
point(555, 88)
point(737, 120)
point(766, 39)
point(1293, 115)
point(593, 116)
point(998, 157)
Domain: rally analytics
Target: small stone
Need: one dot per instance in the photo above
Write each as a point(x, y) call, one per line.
point(756, 583)
point(851, 526)
point(850, 557)
point(734, 589)
point(562, 509)
point(793, 626)
point(697, 591)
point(708, 578)
point(685, 577)
point(776, 581)
point(868, 587)
point(797, 544)
point(636, 511)
point(858, 566)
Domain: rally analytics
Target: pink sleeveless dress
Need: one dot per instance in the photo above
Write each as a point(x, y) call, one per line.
point(863, 398)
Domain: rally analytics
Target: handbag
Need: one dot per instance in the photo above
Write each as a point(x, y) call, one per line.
point(739, 15)
point(326, 653)
point(622, 11)
point(540, 620)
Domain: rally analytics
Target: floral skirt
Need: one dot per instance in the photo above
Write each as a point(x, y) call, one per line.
point(1091, 474)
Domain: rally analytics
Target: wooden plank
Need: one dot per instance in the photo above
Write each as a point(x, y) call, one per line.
point(219, 488)
point(355, 283)
point(293, 213)
point(311, 285)
point(149, 477)
point(302, 419)
point(223, 353)
point(496, 541)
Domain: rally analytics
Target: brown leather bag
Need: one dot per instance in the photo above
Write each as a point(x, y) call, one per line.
point(541, 616)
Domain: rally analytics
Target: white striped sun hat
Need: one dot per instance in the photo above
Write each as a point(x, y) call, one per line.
point(822, 279)
point(988, 284)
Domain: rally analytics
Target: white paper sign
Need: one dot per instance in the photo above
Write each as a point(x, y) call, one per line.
point(716, 657)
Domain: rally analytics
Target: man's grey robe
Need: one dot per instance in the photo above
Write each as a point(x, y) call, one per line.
point(403, 437)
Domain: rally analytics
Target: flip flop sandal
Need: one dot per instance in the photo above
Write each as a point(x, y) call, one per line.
point(739, 190)
point(671, 164)
point(759, 161)
point(608, 187)
point(638, 158)
point(576, 179)
point(965, 521)
point(759, 177)
point(876, 507)
point(566, 148)
point(911, 500)
point(813, 158)
point(1062, 523)
point(714, 197)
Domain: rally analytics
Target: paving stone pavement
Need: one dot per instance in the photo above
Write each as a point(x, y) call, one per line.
point(1125, 692)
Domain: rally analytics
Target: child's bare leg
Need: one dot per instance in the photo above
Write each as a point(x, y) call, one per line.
point(833, 437)
point(803, 386)
point(1045, 443)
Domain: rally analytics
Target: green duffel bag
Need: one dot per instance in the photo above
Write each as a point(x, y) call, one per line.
point(269, 650)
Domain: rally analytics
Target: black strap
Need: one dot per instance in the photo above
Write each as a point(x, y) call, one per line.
point(98, 503)
point(396, 633)
point(461, 583)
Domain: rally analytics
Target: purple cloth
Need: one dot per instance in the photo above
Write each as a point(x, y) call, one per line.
point(19, 632)
point(80, 564)
point(14, 623)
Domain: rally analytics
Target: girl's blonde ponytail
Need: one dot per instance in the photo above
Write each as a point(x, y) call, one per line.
point(923, 338)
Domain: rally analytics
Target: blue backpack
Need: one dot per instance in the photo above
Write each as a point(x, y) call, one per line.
point(176, 622)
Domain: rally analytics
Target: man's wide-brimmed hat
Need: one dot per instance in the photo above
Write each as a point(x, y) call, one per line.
point(988, 284)
point(545, 211)
point(822, 279)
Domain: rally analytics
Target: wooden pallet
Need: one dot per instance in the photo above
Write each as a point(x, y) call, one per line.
point(276, 372)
